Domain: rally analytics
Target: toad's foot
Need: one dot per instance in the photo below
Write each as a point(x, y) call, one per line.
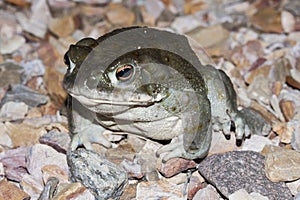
point(176, 150)
point(91, 134)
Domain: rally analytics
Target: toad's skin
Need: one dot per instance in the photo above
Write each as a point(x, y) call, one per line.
point(150, 83)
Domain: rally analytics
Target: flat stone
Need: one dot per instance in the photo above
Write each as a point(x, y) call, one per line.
point(175, 166)
point(9, 190)
point(296, 134)
point(62, 27)
point(120, 15)
point(14, 163)
point(133, 169)
point(154, 7)
point(73, 191)
point(13, 110)
point(31, 186)
point(103, 178)
point(23, 134)
point(32, 69)
point(10, 74)
point(21, 93)
point(221, 144)
point(184, 24)
point(159, 190)
point(288, 21)
point(209, 192)
point(41, 155)
point(54, 171)
point(281, 164)
point(267, 20)
point(5, 138)
point(241, 170)
point(256, 143)
point(9, 45)
point(58, 140)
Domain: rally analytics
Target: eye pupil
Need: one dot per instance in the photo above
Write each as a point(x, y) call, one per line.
point(124, 72)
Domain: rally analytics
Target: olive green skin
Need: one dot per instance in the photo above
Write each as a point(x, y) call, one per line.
point(150, 83)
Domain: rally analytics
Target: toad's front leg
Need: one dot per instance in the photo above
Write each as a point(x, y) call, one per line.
point(83, 129)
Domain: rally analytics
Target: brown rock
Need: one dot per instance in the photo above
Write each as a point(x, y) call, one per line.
point(277, 86)
point(284, 131)
point(11, 191)
point(287, 109)
point(73, 191)
point(23, 134)
point(129, 192)
point(267, 20)
point(19, 2)
point(175, 166)
point(54, 171)
point(192, 7)
point(264, 70)
point(117, 14)
point(292, 82)
point(281, 164)
point(62, 27)
point(53, 80)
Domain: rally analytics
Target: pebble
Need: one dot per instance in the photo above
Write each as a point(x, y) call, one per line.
point(120, 15)
point(54, 171)
point(57, 140)
point(221, 144)
point(31, 186)
point(287, 21)
point(41, 155)
point(159, 190)
point(2, 173)
point(103, 178)
point(14, 163)
point(256, 143)
point(154, 7)
point(31, 69)
point(21, 93)
point(73, 191)
point(294, 186)
point(267, 20)
point(175, 166)
point(209, 193)
point(13, 110)
point(10, 45)
point(241, 170)
point(9, 190)
point(133, 169)
point(10, 74)
point(4, 135)
point(296, 134)
point(281, 164)
point(62, 27)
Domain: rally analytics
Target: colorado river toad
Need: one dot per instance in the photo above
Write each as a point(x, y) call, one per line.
point(150, 83)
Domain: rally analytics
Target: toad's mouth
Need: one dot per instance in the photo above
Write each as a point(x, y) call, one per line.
point(112, 99)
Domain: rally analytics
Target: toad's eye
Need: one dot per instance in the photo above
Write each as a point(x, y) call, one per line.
point(124, 72)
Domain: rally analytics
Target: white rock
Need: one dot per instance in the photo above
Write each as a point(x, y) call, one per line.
point(256, 143)
point(13, 110)
point(9, 41)
point(184, 24)
point(287, 21)
point(293, 186)
point(5, 139)
point(208, 192)
point(2, 173)
point(41, 155)
point(154, 7)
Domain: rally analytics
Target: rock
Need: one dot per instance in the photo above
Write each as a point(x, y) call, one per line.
point(154, 7)
point(256, 143)
point(41, 155)
point(5, 139)
point(118, 154)
point(296, 134)
point(32, 186)
point(267, 20)
point(209, 192)
point(134, 170)
point(32, 68)
point(21, 93)
point(9, 190)
point(9, 45)
point(19, 2)
point(221, 144)
point(281, 164)
point(241, 170)
point(284, 130)
point(175, 166)
point(210, 36)
point(184, 24)
point(116, 12)
point(13, 110)
point(62, 27)
point(38, 21)
point(243, 194)
point(14, 163)
point(260, 89)
point(103, 178)
point(287, 108)
point(129, 192)
point(287, 21)
point(73, 191)
point(23, 134)
point(2, 173)
point(293, 6)
point(58, 140)
point(54, 171)
point(195, 184)
point(159, 190)
point(10, 74)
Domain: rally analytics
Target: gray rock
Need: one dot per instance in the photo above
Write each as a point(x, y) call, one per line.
point(293, 6)
point(103, 178)
point(236, 170)
point(21, 93)
point(10, 74)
